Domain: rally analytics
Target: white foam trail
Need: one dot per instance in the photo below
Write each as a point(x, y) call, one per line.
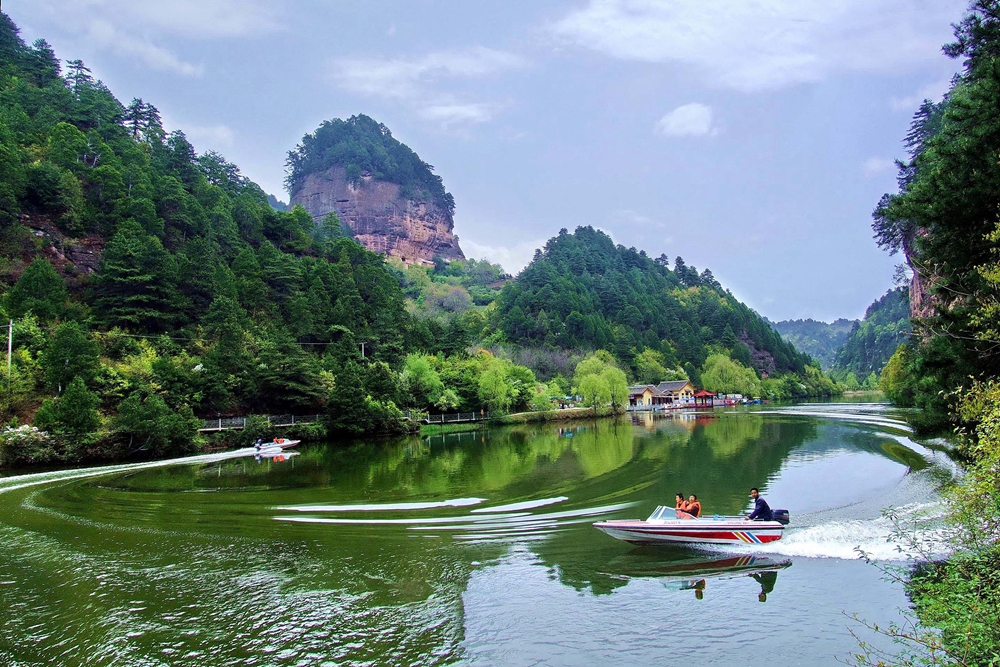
point(15, 482)
point(526, 505)
point(385, 507)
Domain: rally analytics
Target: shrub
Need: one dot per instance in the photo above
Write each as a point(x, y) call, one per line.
point(26, 444)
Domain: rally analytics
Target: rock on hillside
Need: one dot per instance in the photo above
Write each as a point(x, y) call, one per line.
point(383, 219)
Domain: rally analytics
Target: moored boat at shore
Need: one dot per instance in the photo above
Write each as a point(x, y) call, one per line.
point(667, 526)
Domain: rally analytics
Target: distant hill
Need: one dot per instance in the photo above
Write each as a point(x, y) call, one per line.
point(583, 291)
point(819, 340)
point(276, 204)
point(873, 340)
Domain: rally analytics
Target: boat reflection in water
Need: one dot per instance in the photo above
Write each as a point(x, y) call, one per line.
point(692, 572)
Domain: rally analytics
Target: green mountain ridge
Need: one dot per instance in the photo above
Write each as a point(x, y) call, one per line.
point(583, 291)
point(871, 342)
point(820, 340)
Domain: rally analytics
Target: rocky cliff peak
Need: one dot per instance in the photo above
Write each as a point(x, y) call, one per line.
point(383, 219)
point(392, 199)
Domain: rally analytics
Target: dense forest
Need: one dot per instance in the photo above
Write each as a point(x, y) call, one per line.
point(820, 340)
point(944, 218)
point(362, 145)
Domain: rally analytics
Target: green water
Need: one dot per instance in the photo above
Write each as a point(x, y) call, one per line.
point(471, 548)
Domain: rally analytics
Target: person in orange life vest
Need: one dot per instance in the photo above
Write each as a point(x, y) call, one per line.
point(693, 506)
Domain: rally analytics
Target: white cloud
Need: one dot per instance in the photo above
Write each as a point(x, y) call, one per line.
point(689, 120)
point(105, 35)
point(932, 91)
point(767, 43)
point(417, 81)
point(874, 166)
point(132, 29)
point(187, 18)
point(205, 18)
point(511, 258)
point(408, 77)
point(451, 114)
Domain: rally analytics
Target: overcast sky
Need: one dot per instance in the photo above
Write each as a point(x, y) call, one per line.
point(751, 137)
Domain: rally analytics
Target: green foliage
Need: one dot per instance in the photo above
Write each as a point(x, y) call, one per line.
point(495, 388)
point(726, 376)
point(136, 286)
point(617, 387)
point(583, 291)
point(422, 381)
point(649, 368)
point(152, 426)
point(364, 146)
point(819, 340)
point(75, 412)
point(944, 219)
point(961, 595)
point(40, 290)
point(353, 409)
point(600, 382)
point(70, 354)
point(875, 338)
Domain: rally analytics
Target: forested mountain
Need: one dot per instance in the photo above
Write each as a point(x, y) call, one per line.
point(583, 291)
point(872, 341)
point(819, 340)
point(362, 145)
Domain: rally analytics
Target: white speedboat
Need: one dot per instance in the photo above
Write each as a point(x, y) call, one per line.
point(669, 526)
point(284, 443)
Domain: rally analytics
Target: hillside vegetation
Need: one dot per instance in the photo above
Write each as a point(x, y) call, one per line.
point(583, 291)
point(872, 341)
point(820, 340)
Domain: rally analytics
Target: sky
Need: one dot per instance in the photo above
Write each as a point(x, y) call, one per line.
point(750, 137)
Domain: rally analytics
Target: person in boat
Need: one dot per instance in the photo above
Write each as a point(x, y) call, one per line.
point(761, 510)
point(680, 503)
point(258, 444)
point(693, 506)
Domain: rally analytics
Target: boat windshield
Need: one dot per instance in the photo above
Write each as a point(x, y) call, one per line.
point(658, 513)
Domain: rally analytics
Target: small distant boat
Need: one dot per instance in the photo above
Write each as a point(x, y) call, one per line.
point(665, 526)
point(282, 443)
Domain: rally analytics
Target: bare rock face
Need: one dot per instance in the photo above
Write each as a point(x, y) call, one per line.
point(382, 219)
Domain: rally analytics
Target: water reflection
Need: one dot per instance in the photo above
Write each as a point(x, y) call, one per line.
point(365, 553)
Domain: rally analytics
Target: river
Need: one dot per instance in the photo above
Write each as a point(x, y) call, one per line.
point(469, 548)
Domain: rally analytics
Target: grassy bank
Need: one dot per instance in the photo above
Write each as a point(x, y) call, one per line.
point(556, 415)
point(439, 429)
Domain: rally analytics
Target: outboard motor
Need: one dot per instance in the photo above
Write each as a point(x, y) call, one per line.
point(781, 516)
